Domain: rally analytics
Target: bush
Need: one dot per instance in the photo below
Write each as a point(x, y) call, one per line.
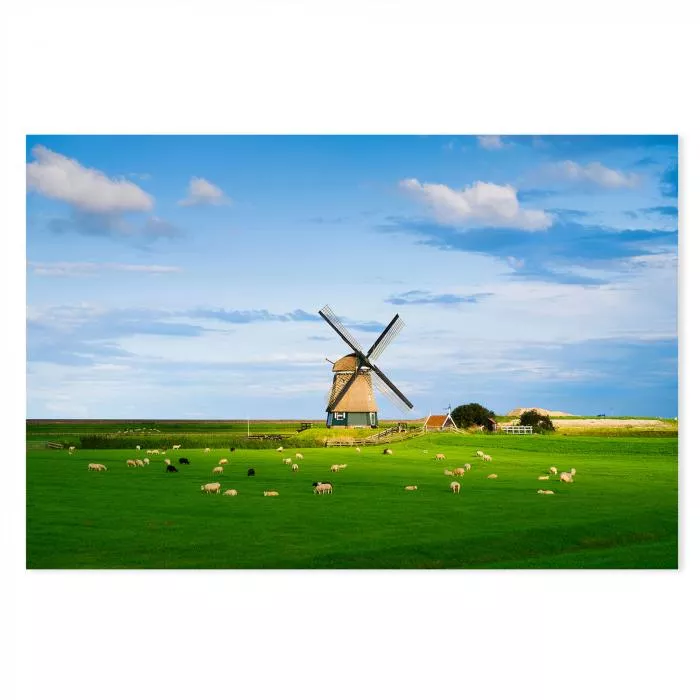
point(470, 414)
point(540, 423)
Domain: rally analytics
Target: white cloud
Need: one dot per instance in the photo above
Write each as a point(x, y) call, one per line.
point(79, 269)
point(596, 173)
point(491, 143)
point(58, 177)
point(202, 191)
point(483, 203)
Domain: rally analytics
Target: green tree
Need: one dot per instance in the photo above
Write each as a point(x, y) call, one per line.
point(540, 423)
point(470, 414)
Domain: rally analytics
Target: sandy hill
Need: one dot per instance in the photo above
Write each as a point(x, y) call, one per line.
point(544, 411)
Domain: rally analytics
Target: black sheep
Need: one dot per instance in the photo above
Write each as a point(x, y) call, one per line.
point(183, 460)
point(233, 449)
point(170, 468)
point(251, 472)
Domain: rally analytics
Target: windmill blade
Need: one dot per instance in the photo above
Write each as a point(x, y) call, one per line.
point(334, 322)
point(389, 383)
point(342, 392)
point(390, 394)
point(388, 334)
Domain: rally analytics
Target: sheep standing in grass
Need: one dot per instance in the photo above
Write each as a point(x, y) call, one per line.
point(566, 477)
point(487, 458)
point(388, 452)
point(543, 478)
point(455, 486)
point(546, 493)
point(270, 493)
point(573, 472)
point(280, 449)
point(459, 471)
point(251, 472)
point(183, 460)
point(492, 476)
point(130, 463)
point(177, 447)
point(288, 460)
point(439, 456)
point(335, 468)
point(207, 449)
point(139, 462)
point(214, 487)
point(448, 472)
point(298, 455)
point(467, 466)
point(223, 461)
point(71, 450)
point(170, 468)
point(479, 453)
point(323, 487)
point(146, 461)
point(357, 449)
point(96, 467)
point(138, 447)
point(410, 488)
point(553, 470)
point(217, 470)
point(167, 462)
point(231, 492)
point(295, 467)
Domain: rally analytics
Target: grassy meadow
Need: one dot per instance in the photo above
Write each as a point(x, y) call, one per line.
point(621, 512)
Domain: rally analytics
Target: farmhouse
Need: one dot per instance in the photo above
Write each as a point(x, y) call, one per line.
point(442, 422)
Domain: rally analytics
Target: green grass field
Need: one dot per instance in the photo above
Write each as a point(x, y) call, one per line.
point(621, 512)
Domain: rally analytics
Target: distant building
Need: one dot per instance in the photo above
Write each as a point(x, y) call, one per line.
point(439, 422)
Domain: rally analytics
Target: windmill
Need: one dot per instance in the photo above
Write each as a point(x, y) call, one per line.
point(351, 398)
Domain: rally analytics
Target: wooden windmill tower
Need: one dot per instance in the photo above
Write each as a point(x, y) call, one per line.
point(351, 398)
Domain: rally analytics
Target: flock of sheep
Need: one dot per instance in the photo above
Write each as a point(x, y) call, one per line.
point(325, 487)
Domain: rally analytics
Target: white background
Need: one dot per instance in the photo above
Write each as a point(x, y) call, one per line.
point(353, 67)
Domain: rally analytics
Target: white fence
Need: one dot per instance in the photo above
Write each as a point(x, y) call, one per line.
point(517, 429)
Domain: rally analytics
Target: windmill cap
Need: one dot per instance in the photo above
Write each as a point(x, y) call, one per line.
point(347, 363)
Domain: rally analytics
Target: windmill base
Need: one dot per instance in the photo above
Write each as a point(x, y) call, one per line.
point(351, 419)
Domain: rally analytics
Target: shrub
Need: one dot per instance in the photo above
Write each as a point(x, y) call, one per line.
point(470, 414)
point(540, 423)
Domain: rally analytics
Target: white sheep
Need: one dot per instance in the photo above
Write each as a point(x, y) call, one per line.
point(217, 470)
point(295, 467)
point(342, 466)
point(288, 460)
point(357, 449)
point(455, 486)
point(298, 455)
point(492, 476)
point(573, 472)
point(146, 460)
point(335, 468)
point(71, 450)
point(280, 449)
point(566, 477)
point(96, 467)
point(138, 447)
point(207, 449)
point(543, 478)
point(410, 488)
point(167, 462)
point(323, 488)
point(177, 447)
point(214, 487)
point(139, 462)
point(270, 493)
point(467, 466)
point(388, 452)
point(448, 472)
point(459, 471)
point(553, 470)
point(439, 456)
point(231, 492)
point(223, 461)
point(546, 493)
point(130, 463)
point(487, 458)
point(479, 453)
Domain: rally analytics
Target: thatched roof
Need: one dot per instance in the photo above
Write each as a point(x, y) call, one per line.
point(347, 363)
point(359, 397)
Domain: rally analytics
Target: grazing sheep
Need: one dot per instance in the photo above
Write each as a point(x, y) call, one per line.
point(487, 458)
point(410, 488)
point(280, 449)
point(217, 470)
point(459, 471)
point(448, 472)
point(270, 493)
point(231, 449)
point(323, 487)
point(251, 472)
point(138, 447)
point(388, 452)
point(183, 460)
point(177, 447)
point(573, 472)
point(231, 492)
point(288, 460)
point(207, 449)
point(342, 466)
point(357, 449)
point(467, 466)
point(298, 455)
point(170, 468)
point(335, 468)
point(546, 493)
point(479, 453)
point(139, 463)
point(455, 486)
point(71, 450)
point(214, 487)
point(439, 456)
point(223, 461)
point(543, 478)
point(146, 461)
point(166, 461)
point(566, 477)
point(295, 467)
point(130, 463)
point(492, 476)
point(92, 467)
point(553, 470)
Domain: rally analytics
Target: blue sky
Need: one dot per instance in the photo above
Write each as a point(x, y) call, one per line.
point(180, 277)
